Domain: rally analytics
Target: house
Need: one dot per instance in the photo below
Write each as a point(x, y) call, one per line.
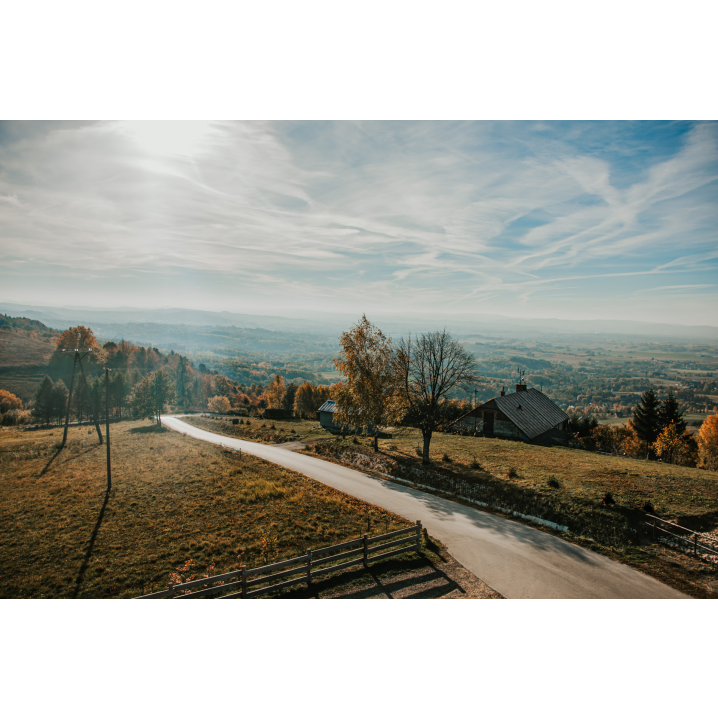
point(526, 415)
point(326, 415)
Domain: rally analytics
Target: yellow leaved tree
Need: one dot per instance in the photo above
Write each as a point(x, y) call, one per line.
point(368, 397)
point(708, 444)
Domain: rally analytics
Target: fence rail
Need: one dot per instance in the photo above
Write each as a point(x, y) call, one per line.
point(369, 550)
point(691, 541)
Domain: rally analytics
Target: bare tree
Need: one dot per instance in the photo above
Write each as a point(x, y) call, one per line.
point(429, 368)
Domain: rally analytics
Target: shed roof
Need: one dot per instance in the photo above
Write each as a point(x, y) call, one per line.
point(329, 406)
point(531, 410)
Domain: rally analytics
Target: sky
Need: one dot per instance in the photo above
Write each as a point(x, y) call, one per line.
point(572, 220)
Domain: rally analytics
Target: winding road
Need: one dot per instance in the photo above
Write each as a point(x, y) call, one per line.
point(510, 557)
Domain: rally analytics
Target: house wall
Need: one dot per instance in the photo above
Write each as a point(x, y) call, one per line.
point(505, 429)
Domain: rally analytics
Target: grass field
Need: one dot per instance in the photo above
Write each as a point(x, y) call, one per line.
point(177, 505)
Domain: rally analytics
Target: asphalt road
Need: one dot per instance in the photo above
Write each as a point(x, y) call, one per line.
point(512, 558)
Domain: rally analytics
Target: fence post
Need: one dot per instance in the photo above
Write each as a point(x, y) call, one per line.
point(309, 569)
point(418, 535)
point(244, 582)
point(366, 551)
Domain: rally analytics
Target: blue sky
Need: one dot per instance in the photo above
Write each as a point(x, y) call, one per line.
point(546, 219)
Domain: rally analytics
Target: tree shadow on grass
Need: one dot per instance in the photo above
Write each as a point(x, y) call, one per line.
point(149, 430)
point(49, 463)
point(90, 547)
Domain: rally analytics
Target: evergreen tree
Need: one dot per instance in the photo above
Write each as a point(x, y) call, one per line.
point(59, 400)
point(670, 414)
point(42, 409)
point(647, 419)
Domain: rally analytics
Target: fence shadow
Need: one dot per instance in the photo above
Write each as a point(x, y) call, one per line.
point(90, 547)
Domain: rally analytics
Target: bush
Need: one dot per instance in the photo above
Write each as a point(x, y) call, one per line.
point(512, 473)
point(608, 499)
point(553, 482)
point(219, 404)
point(446, 458)
point(278, 414)
point(475, 464)
point(648, 508)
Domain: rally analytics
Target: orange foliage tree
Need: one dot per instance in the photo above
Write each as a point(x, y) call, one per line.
point(708, 444)
point(9, 402)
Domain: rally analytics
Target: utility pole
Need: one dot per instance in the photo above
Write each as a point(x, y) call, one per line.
point(107, 426)
point(94, 405)
point(69, 399)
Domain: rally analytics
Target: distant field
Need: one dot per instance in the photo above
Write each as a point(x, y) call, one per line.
point(174, 500)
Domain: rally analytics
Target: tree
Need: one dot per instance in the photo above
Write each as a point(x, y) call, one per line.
point(79, 337)
point(151, 394)
point(675, 446)
point(219, 404)
point(647, 419)
point(42, 408)
point(163, 392)
point(304, 400)
point(708, 443)
point(369, 397)
point(290, 393)
point(669, 414)
point(275, 392)
point(9, 402)
point(428, 370)
point(58, 400)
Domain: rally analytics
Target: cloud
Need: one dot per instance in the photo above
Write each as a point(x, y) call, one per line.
point(485, 214)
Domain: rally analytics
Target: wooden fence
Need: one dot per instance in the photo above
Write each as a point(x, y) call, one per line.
point(247, 583)
point(690, 538)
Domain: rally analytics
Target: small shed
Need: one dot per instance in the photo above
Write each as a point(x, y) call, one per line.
point(526, 415)
point(326, 415)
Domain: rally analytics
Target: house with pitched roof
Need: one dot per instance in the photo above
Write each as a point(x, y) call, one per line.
point(526, 415)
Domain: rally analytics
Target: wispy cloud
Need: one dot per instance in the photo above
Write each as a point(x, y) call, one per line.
point(473, 216)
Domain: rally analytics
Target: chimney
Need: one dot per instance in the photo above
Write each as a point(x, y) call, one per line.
point(521, 387)
point(503, 391)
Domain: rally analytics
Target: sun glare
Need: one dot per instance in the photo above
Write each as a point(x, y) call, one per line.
point(168, 138)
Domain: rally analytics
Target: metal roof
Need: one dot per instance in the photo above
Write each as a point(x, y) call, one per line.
point(532, 411)
point(329, 406)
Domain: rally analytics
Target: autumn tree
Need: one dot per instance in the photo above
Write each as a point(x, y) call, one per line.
point(219, 404)
point(82, 338)
point(429, 369)
point(708, 443)
point(675, 446)
point(9, 402)
point(275, 392)
point(368, 398)
point(304, 400)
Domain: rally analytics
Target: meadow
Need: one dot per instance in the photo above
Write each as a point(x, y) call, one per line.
point(177, 506)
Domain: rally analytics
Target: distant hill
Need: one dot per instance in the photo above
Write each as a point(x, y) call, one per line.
point(26, 346)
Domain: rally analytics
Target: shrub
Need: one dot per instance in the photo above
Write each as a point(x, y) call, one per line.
point(608, 499)
point(446, 458)
point(648, 508)
point(512, 473)
point(219, 404)
point(355, 440)
point(475, 464)
point(553, 482)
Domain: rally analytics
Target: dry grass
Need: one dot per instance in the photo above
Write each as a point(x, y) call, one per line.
point(177, 505)
point(259, 430)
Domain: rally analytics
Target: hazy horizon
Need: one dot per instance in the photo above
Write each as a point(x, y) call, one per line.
point(573, 221)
